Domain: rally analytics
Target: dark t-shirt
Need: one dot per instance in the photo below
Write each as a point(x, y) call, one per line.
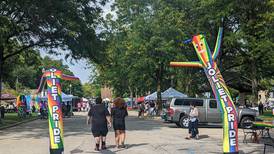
point(118, 115)
point(98, 113)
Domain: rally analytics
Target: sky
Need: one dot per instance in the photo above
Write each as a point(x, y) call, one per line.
point(79, 67)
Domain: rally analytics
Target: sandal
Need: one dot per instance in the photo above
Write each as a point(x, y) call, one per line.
point(103, 146)
point(96, 149)
point(187, 138)
point(123, 146)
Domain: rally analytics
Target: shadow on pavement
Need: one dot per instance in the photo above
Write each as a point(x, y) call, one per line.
point(134, 123)
point(242, 152)
point(173, 125)
point(203, 137)
point(108, 151)
point(76, 151)
point(73, 126)
point(39, 129)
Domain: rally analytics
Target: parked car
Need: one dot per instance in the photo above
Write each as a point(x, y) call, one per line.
point(209, 111)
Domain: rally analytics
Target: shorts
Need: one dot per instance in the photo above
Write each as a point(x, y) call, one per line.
point(98, 133)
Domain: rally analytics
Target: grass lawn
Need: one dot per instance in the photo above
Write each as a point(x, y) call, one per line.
point(12, 118)
point(268, 113)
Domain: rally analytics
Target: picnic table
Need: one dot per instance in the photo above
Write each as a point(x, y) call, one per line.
point(266, 122)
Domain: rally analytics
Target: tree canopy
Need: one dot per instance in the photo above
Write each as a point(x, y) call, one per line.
point(29, 25)
point(146, 35)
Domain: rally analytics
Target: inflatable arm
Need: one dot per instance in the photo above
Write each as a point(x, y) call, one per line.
point(218, 44)
point(186, 64)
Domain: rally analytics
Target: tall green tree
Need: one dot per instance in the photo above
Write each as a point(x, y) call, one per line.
point(91, 90)
point(69, 25)
point(147, 35)
point(247, 52)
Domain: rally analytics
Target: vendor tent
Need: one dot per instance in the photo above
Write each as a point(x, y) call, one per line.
point(172, 93)
point(151, 97)
point(7, 97)
point(140, 99)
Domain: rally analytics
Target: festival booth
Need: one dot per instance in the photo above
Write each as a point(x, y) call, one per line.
point(140, 99)
point(151, 97)
point(172, 93)
point(6, 97)
point(24, 104)
point(131, 103)
point(9, 102)
point(169, 94)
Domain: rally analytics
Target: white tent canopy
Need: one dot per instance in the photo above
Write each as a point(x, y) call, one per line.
point(172, 93)
point(151, 97)
point(84, 99)
point(169, 93)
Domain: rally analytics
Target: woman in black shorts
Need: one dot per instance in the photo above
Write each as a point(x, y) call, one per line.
point(100, 121)
point(118, 114)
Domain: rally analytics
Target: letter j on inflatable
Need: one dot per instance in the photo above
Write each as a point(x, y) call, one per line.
point(220, 90)
point(52, 78)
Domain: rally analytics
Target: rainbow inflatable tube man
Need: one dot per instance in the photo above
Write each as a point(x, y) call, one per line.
point(220, 90)
point(52, 78)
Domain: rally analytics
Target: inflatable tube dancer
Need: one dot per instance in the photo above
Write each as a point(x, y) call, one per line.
point(220, 90)
point(52, 78)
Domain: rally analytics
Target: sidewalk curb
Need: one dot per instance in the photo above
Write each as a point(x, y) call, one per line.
point(18, 123)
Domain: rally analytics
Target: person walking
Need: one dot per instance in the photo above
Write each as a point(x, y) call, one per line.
point(99, 118)
point(261, 108)
point(193, 122)
point(118, 114)
point(2, 110)
point(141, 110)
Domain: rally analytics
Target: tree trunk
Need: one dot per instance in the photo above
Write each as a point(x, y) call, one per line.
point(136, 93)
point(1, 74)
point(131, 95)
point(242, 98)
point(159, 87)
point(254, 81)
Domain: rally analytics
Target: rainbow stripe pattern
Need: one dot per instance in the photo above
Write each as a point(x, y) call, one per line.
point(55, 119)
point(56, 126)
point(265, 121)
point(220, 90)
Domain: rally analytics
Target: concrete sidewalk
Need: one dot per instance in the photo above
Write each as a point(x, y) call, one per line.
point(143, 137)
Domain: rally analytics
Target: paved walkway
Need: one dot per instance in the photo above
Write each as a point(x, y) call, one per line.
point(143, 137)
